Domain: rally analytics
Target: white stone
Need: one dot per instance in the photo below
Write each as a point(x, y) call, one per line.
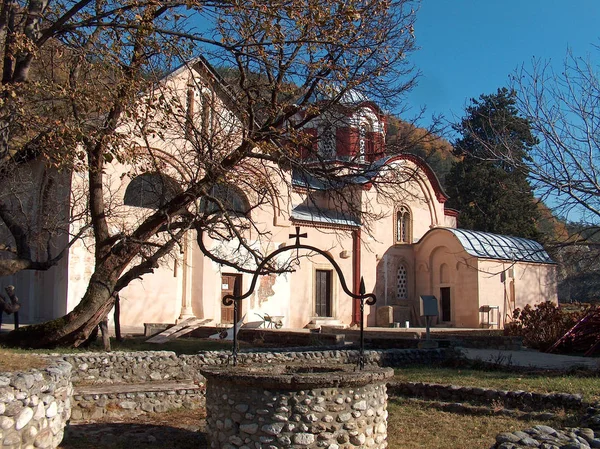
point(360, 405)
point(304, 439)
point(23, 418)
point(40, 412)
point(6, 422)
point(52, 410)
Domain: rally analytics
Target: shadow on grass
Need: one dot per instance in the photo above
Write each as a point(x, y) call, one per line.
point(130, 435)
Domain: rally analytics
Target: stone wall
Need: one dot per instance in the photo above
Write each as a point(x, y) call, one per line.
point(35, 406)
point(119, 401)
point(122, 384)
point(131, 367)
point(324, 409)
point(522, 400)
point(136, 367)
point(583, 437)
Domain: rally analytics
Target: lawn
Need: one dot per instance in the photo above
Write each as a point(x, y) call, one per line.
point(410, 425)
point(585, 383)
point(413, 425)
point(138, 343)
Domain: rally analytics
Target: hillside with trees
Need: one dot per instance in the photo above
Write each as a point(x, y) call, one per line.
point(404, 137)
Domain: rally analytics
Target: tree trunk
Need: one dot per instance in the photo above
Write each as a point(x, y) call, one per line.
point(117, 318)
point(74, 328)
point(105, 336)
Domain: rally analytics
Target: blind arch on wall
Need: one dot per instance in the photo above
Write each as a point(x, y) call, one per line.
point(150, 190)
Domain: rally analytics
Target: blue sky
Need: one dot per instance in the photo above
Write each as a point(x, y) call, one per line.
point(469, 47)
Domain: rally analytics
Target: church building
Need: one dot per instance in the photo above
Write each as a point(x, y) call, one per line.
point(404, 242)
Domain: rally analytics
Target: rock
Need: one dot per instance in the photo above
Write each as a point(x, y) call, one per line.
point(6, 422)
point(273, 429)
point(545, 429)
point(24, 417)
point(303, 439)
point(52, 410)
point(128, 405)
point(250, 429)
point(44, 438)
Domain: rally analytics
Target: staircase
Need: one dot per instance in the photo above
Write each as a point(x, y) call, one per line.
point(319, 322)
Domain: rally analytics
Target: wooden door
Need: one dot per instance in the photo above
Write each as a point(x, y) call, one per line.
point(227, 288)
point(445, 303)
point(323, 294)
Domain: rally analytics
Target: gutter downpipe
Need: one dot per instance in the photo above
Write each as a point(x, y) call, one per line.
point(356, 244)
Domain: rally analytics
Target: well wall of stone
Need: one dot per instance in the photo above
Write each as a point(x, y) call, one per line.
point(35, 406)
point(345, 416)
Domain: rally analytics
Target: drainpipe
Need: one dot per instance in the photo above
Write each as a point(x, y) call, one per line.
point(356, 276)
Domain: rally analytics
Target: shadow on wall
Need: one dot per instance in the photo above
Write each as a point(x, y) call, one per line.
point(395, 287)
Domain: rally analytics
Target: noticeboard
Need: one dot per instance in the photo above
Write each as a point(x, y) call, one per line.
point(429, 305)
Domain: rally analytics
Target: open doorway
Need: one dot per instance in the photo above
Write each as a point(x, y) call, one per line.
point(445, 304)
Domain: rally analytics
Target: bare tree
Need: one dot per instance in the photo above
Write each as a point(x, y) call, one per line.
point(282, 64)
point(563, 109)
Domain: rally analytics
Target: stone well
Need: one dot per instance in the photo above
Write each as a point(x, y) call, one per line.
point(296, 407)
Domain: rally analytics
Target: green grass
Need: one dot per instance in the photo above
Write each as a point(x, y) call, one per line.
point(583, 383)
point(138, 343)
point(412, 425)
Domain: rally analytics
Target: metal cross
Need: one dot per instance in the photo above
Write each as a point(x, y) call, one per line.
point(298, 236)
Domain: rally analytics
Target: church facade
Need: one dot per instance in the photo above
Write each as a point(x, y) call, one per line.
point(406, 245)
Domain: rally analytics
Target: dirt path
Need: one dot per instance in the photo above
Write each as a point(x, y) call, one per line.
point(181, 429)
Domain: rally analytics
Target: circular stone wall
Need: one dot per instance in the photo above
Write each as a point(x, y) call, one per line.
point(35, 406)
point(297, 407)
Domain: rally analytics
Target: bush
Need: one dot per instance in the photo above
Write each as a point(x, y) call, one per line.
point(541, 326)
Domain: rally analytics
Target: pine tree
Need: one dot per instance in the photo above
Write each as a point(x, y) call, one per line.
point(484, 185)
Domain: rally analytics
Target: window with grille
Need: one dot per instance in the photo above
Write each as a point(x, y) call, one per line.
point(402, 290)
point(362, 142)
point(403, 224)
point(327, 143)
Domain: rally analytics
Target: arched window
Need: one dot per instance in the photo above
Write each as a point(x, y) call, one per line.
point(225, 198)
point(402, 290)
point(403, 225)
point(150, 190)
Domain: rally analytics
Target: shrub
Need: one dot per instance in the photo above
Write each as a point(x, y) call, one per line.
point(542, 325)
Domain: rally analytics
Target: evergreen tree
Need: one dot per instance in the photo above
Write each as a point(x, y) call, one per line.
point(484, 185)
